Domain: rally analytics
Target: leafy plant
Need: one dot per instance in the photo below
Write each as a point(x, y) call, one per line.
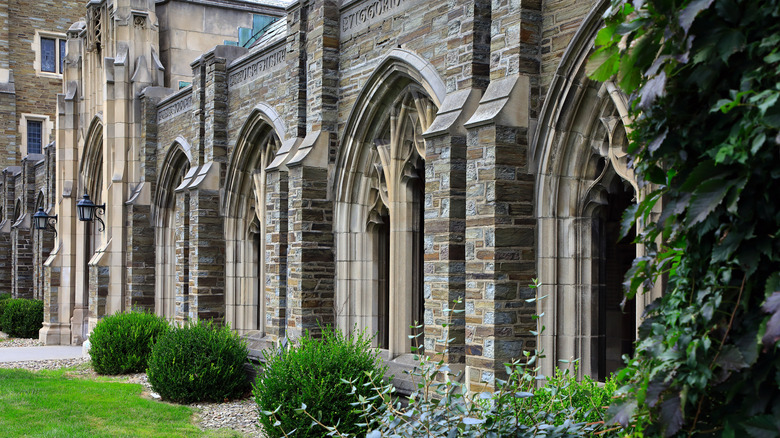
point(22, 318)
point(442, 407)
point(4, 297)
point(703, 80)
point(199, 362)
point(328, 374)
point(122, 343)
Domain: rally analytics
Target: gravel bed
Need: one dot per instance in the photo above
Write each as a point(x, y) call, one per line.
point(19, 342)
point(239, 415)
point(37, 365)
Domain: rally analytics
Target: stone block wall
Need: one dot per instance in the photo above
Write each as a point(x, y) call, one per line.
point(35, 92)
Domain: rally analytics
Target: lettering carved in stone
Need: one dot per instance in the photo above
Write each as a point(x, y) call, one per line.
point(174, 109)
point(251, 70)
point(363, 14)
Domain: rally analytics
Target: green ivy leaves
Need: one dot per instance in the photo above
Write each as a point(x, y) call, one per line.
point(703, 80)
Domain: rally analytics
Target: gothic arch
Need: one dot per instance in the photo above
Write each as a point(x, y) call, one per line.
point(91, 163)
point(91, 171)
point(244, 208)
point(583, 181)
point(170, 268)
point(379, 193)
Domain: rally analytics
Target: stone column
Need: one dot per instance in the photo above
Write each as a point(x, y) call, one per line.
point(140, 277)
point(276, 212)
point(21, 231)
point(311, 267)
point(445, 225)
point(6, 261)
point(500, 232)
point(182, 249)
point(207, 256)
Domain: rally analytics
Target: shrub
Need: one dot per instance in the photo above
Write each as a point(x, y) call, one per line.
point(441, 407)
point(4, 297)
point(199, 362)
point(327, 374)
point(22, 318)
point(121, 343)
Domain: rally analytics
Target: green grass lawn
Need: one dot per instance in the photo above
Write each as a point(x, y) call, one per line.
point(56, 404)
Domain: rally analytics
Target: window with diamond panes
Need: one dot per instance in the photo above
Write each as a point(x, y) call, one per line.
point(34, 136)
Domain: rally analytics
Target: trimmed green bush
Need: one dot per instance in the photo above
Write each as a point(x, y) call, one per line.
point(328, 375)
point(199, 362)
point(22, 318)
point(3, 298)
point(122, 343)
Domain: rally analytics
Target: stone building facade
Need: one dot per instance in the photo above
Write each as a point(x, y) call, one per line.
point(361, 163)
point(32, 35)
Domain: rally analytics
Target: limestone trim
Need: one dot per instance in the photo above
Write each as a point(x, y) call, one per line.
point(46, 128)
point(244, 206)
point(397, 68)
point(579, 159)
point(379, 193)
point(179, 155)
point(177, 163)
point(35, 46)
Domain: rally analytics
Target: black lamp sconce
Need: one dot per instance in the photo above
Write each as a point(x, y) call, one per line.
point(88, 211)
point(42, 221)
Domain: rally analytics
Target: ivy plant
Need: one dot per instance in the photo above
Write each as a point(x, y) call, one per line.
point(703, 78)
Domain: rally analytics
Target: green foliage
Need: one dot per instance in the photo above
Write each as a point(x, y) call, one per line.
point(441, 406)
point(327, 374)
point(703, 80)
point(199, 362)
point(562, 392)
point(122, 343)
point(4, 297)
point(22, 318)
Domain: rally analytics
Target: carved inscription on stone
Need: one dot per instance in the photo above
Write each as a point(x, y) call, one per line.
point(360, 15)
point(174, 108)
point(251, 70)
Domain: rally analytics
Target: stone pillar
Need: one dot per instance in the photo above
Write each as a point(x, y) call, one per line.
point(276, 212)
point(207, 256)
point(140, 277)
point(500, 233)
point(445, 225)
point(182, 248)
point(311, 267)
point(22, 232)
point(6, 220)
point(140, 266)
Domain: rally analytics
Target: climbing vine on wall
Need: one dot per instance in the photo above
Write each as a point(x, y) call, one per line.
point(704, 82)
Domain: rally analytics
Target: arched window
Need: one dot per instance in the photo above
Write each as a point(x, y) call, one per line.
point(171, 236)
point(380, 193)
point(246, 225)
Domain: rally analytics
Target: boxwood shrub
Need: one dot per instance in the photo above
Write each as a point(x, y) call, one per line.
point(326, 374)
point(4, 297)
point(22, 318)
point(122, 343)
point(199, 362)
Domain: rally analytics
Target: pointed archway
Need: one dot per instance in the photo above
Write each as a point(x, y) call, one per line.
point(380, 202)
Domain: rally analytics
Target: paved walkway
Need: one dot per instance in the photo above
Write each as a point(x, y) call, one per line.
point(18, 354)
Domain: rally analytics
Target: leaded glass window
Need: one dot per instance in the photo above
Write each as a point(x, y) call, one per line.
point(48, 55)
point(34, 136)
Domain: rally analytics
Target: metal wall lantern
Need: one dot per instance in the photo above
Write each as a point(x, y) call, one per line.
point(88, 211)
point(42, 221)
